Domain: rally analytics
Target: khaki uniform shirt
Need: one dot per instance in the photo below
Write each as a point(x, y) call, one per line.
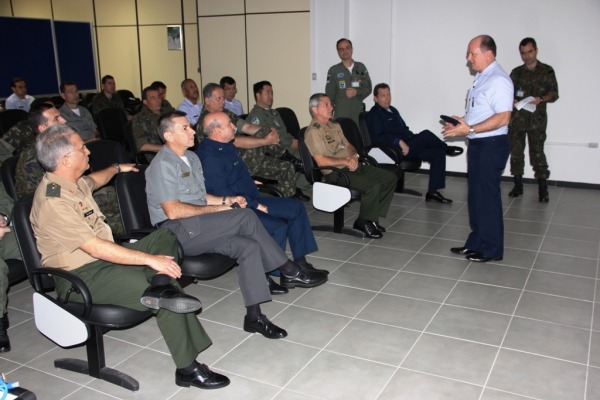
point(326, 140)
point(64, 216)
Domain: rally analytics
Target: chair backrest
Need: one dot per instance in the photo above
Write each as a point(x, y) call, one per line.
point(138, 157)
point(131, 195)
point(27, 243)
point(104, 153)
point(132, 104)
point(352, 134)
point(10, 117)
point(310, 173)
point(364, 128)
point(8, 170)
point(111, 124)
point(290, 120)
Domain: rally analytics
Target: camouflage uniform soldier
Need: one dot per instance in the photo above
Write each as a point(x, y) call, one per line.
point(145, 123)
point(538, 80)
point(348, 83)
point(264, 115)
point(108, 97)
point(18, 137)
point(263, 160)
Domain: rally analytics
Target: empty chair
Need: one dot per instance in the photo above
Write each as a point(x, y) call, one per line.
point(131, 195)
point(290, 120)
point(328, 197)
point(10, 117)
point(111, 124)
point(69, 323)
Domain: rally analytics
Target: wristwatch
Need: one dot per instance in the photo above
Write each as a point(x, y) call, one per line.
point(471, 130)
point(118, 167)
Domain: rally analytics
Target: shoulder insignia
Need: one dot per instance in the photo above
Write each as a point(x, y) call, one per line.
point(340, 75)
point(255, 121)
point(317, 125)
point(53, 190)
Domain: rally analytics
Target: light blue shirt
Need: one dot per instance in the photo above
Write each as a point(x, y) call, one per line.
point(192, 110)
point(13, 102)
point(235, 106)
point(491, 93)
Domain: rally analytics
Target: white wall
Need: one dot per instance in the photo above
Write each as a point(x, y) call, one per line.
point(419, 48)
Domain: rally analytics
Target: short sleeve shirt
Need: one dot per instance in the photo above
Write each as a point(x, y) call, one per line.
point(326, 140)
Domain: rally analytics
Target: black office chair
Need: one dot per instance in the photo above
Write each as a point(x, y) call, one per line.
point(404, 163)
point(290, 120)
point(87, 321)
point(8, 170)
point(111, 124)
point(327, 197)
point(132, 104)
point(140, 157)
point(131, 195)
point(104, 153)
point(10, 117)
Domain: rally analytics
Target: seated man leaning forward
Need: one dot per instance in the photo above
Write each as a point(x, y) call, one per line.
point(137, 276)
point(177, 200)
point(226, 174)
point(328, 146)
point(386, 126)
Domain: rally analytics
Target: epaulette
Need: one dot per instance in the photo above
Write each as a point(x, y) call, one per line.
point(53, 190)
point(317, 125)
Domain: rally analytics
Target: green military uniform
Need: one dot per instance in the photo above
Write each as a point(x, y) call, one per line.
point(145, 129)
point(270, 118)
point(339, 78)
point(376, 185)
point(540, 81)
point(165, 107)
point(18, 137)
point(30, 172)
point(8, 249)
point(263, 161)
point(101, 102)
point(58, 199)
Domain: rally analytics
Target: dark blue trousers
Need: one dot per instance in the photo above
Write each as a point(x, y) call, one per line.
point(486, 159)
point(428, 147)
point(287, 219)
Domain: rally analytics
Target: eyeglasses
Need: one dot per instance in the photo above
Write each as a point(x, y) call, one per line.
point(82, 149)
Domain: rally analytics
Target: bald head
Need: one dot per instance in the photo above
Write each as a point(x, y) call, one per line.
point(218, 127)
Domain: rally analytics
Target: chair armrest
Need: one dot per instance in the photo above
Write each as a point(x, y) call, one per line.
point(393, 152)
point(271, 190)
point(76, 282)
point(336, 170)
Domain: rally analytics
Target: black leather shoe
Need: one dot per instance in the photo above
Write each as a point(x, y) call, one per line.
point(463, 251)
point(454, 151)
point(170, 298)
point(304, 279)
point(378, 227)
point(265, 327)
point(275, 288)
point(478, 257)
point(4, 339)
point(301, 196)
point(202, 378)
point(437, 196)
point(309, 267)
point(367, 228)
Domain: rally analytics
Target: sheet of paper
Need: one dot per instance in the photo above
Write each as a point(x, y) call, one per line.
point(526, 104)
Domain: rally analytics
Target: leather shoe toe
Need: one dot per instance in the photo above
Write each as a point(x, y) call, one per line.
point(463, 251)
point(275, 288)
point(454, 151)
point(265, 327)
point(368, 229)
point(304, 279)
point(378, 227)
point(202, 378)
point(171, 298)
point(437, 196)
point(478, 257)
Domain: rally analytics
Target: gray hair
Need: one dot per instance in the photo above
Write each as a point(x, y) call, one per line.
point(209, 89)
point(52, 145)
point(166, 122)
point(314, 101)
point(210, 128)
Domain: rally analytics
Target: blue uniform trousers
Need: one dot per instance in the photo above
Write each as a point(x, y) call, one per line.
point(486, 159)
point(428, 147)
point(287, 219)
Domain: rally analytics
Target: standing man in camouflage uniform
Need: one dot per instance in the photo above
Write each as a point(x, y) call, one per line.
point(145, 123)
point(30, 172)
point(538, 80)
point(264, 114)
point(259, 147)
point(348, 83)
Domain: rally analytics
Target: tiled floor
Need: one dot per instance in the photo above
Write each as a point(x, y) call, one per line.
point(400, 318)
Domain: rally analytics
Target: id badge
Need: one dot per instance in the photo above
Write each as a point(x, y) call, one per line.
point(355, 84)
point(520, 93)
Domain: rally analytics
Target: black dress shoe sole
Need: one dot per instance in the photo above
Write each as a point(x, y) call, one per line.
point(206, 387)
point(463, 251)
point(479, 259)
point(176, 305)
point(292, 284)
